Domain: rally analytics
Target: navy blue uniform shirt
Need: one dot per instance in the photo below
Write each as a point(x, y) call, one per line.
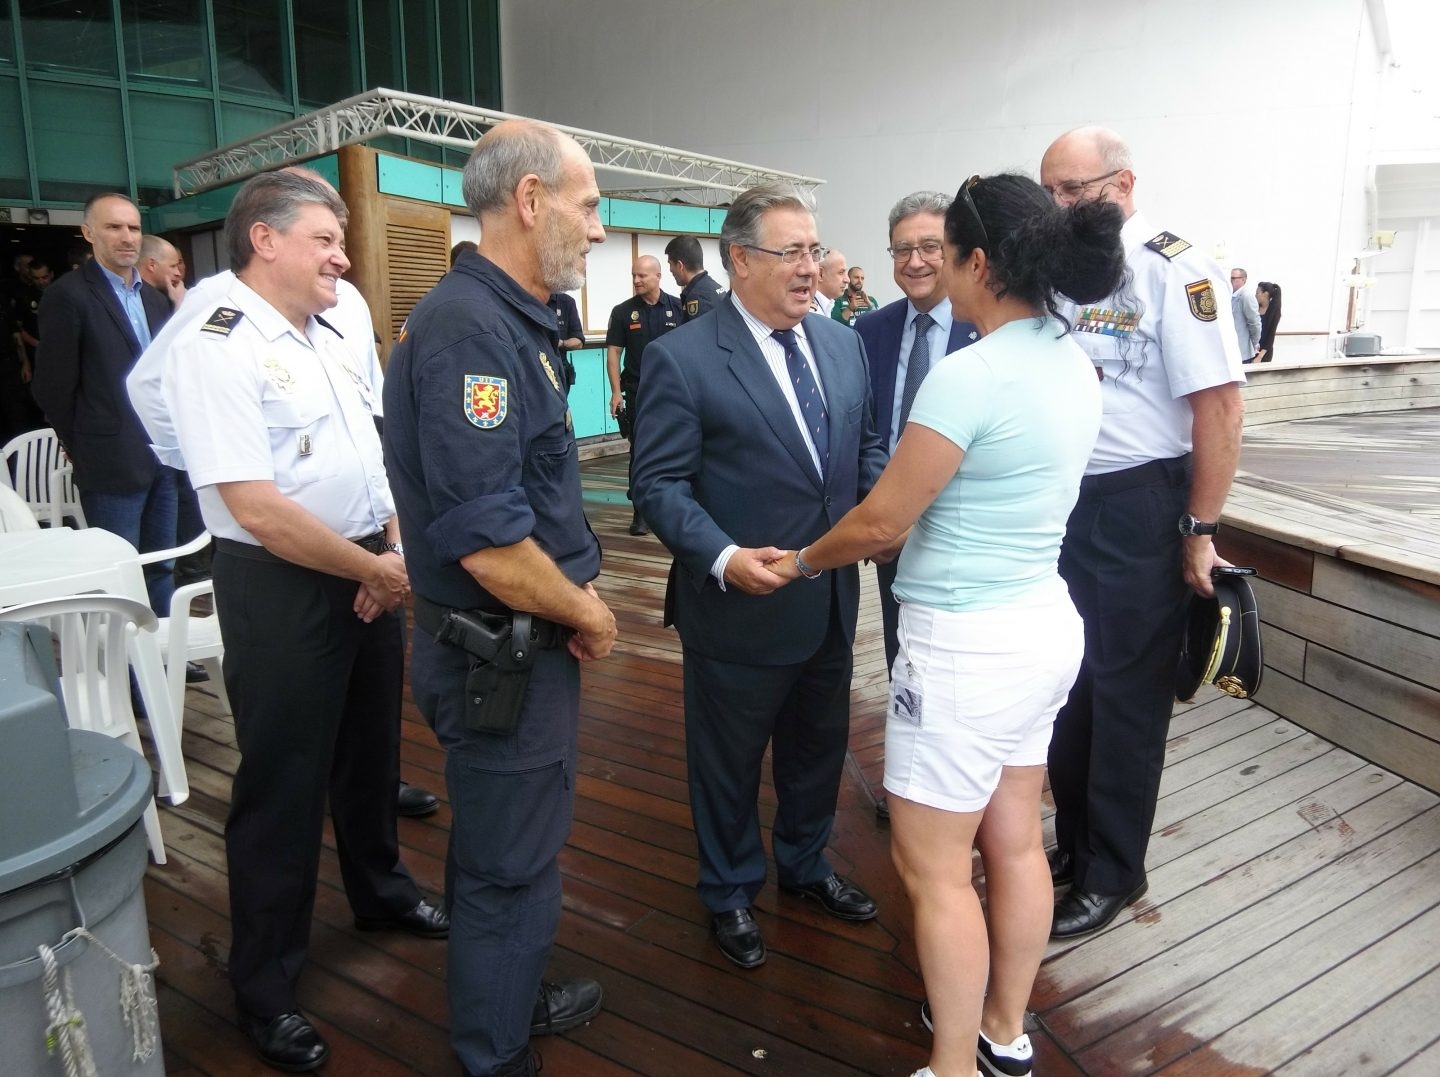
point(700, 295)
point(479, 443)
point(634, 324)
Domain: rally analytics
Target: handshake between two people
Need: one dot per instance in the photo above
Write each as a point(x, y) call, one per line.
point(761, 570)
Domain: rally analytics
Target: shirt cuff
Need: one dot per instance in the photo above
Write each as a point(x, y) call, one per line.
point(718, 568)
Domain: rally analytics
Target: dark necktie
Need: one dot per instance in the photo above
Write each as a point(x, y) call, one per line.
point(812, 404)
point(916, 367)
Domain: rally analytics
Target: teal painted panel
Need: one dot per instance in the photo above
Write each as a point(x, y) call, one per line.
point(590, 395)
point(450, 191)
point(605, 212)
point(692, 220)
point(640, 216)
point(409, 179)
point(717, 220)
point(329, 167)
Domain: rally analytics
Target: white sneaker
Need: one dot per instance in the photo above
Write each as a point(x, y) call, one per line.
point(1005, 1059)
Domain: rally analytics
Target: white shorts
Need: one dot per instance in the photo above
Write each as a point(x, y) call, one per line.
point(976, 691)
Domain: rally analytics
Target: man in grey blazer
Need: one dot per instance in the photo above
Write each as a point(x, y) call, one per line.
point(1246, 311)
point(738, 445)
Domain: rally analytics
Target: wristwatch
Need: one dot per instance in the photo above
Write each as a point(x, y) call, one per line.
point(392, 547)
point(1191, 526)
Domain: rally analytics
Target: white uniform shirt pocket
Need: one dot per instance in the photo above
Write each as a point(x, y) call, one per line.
point(303, 441)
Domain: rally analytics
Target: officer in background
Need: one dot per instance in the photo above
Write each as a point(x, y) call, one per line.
point(481, 449)
point(1150, 502)
point(274, 422)
point(635, 323)
point(699, 291)
point(569, 332)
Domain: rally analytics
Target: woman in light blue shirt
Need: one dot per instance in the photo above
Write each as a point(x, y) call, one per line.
point(978, 492)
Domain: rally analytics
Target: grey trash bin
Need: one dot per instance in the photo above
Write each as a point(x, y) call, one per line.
point(72, 854)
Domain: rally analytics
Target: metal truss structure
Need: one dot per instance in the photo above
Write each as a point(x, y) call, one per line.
point(639, 169)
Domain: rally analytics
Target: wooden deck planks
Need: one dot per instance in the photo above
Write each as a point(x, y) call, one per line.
point(1289, 924)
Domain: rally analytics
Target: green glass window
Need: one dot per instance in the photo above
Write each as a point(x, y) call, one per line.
point(167, 130)
point(381, 33)
point(14, 169)
point(455, 81)
point(7, 37)
point(250, 44)
point(79, 140)
point(69, 35)
point(421, 74)
point(485, 53)
point(165, 41)
point(324, 64)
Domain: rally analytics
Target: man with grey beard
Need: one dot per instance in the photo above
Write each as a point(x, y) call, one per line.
point(481, 450)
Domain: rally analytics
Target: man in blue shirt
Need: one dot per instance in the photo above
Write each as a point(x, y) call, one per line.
point(94, 323)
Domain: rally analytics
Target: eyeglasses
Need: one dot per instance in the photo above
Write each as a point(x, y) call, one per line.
point(791, 255)
point(930, 250)
point(1075, 188)
point(963, 197)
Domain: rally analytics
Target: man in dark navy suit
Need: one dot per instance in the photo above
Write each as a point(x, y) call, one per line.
point(94, 323)
point(905, 338)
point(755, 427)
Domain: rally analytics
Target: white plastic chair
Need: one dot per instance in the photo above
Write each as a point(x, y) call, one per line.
point(97, 636)
point(187, 636)
point(65, 499)
point(15, 515)
point(35, 456)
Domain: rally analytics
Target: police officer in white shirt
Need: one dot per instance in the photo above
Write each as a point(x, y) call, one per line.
point(275, 422)
point(1143, 528)
point(350, 318)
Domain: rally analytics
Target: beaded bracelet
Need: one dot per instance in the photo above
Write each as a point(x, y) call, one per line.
point(804, 569)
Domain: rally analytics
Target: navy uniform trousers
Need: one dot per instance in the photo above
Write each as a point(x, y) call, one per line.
point(511, 801)
point(1122, 561)
point(316, 694)
point(732, 711)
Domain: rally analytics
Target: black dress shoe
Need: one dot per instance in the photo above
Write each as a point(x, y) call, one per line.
point(288, 1042)
point(195, 673)
point(412, 802)
point(1080, 912)
point(565, 1004)
point(739, 937)
point(1062, 868)
point(637, 524)
point(424, 920)
point(840, 897)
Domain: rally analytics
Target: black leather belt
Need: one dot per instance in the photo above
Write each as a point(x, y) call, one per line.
point(370, 544)
point(544, 634)
point(1174, 472)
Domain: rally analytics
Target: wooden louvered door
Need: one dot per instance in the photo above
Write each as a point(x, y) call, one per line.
point(417, 254)
point(398, 247)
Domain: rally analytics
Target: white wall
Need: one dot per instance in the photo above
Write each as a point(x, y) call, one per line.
point(1239, 113)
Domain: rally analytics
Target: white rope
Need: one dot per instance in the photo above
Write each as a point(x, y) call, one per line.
point(138, 1008)
point(66, 1029)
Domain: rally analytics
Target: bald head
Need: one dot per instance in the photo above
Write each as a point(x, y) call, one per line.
point(831, 281)
point(1089, 163)
point(645, 277)
point(160, 264)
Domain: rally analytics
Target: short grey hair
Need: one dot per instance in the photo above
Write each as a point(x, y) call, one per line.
point(500, 160)
point(276, 199)
point(918, 202)
point(154, 247)
point(742, 223)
